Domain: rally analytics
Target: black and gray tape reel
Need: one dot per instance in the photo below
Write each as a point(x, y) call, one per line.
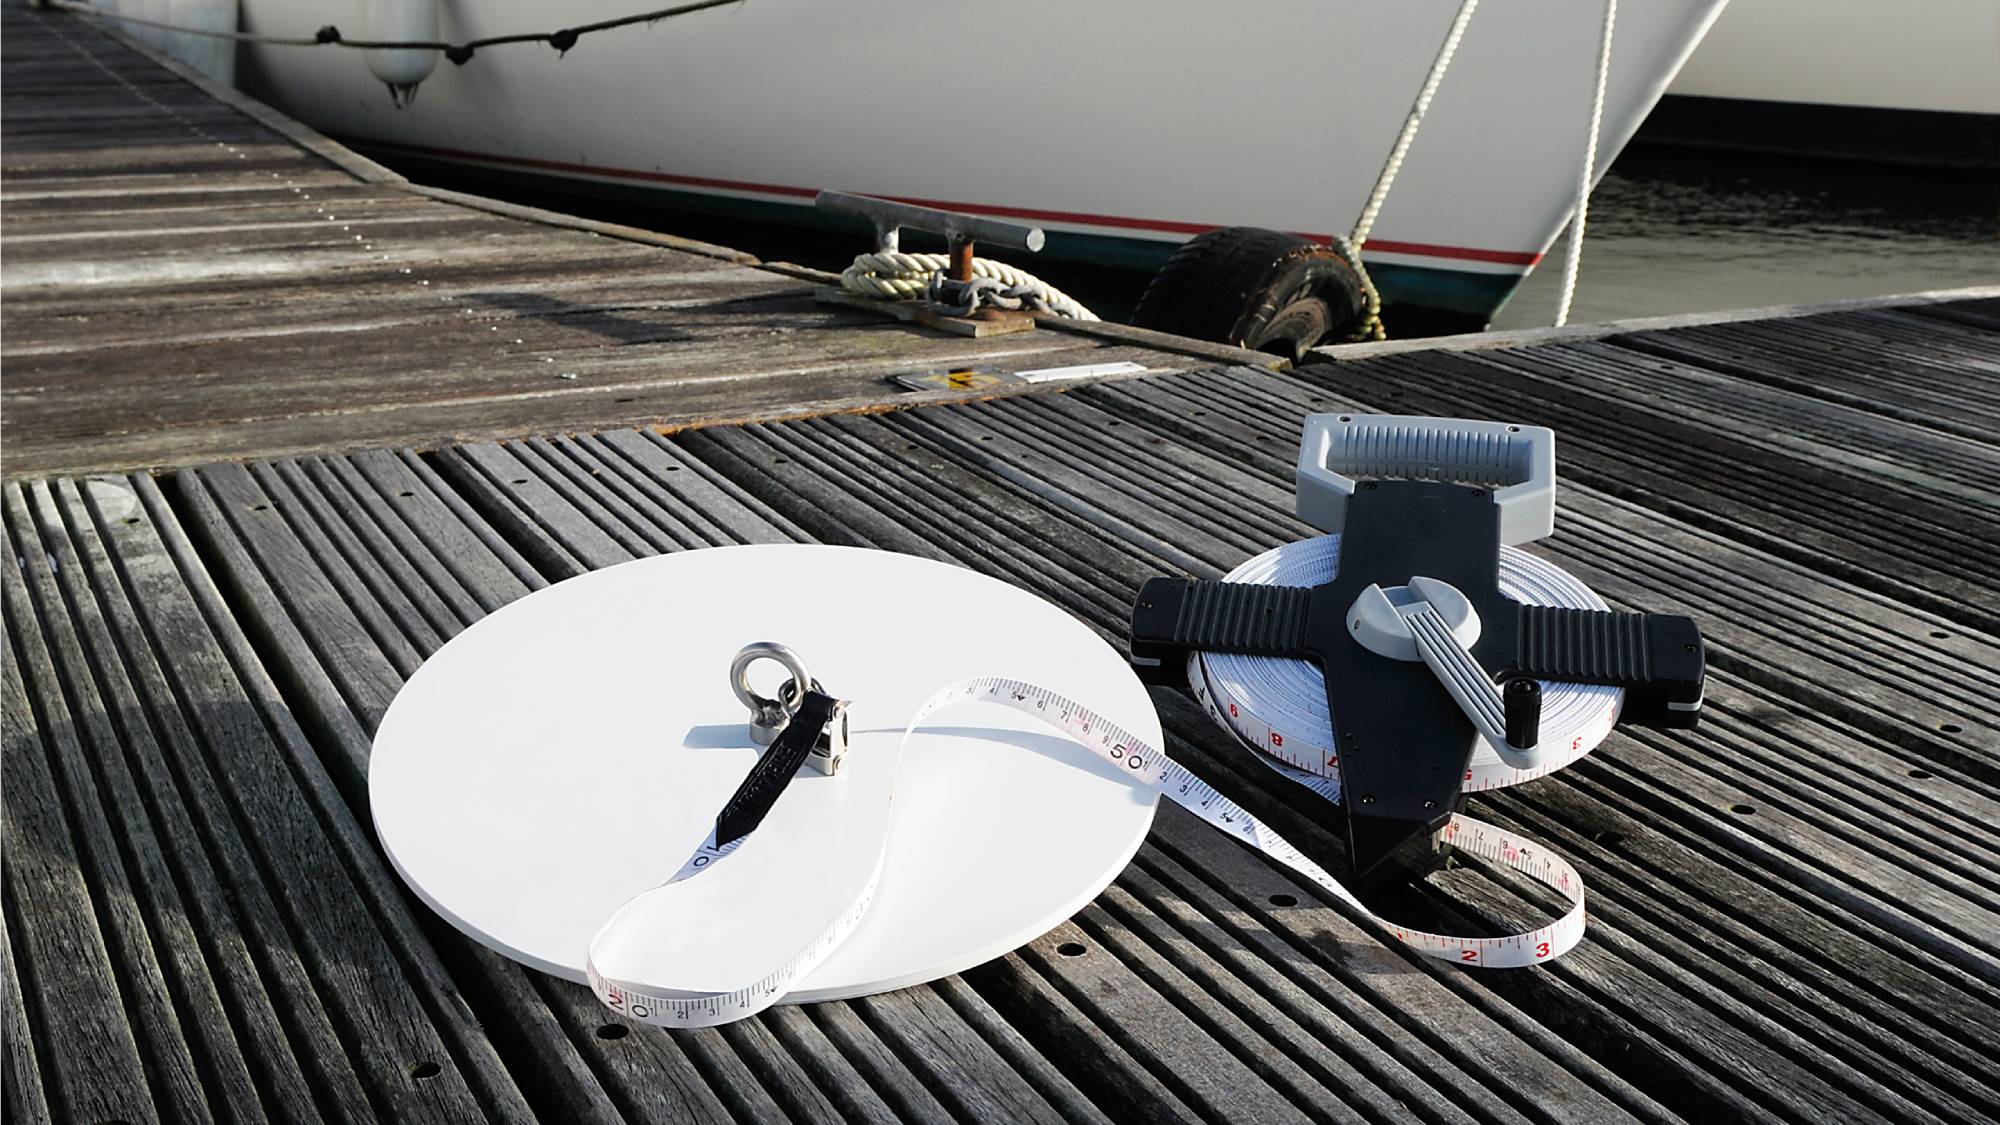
point(1414, 653)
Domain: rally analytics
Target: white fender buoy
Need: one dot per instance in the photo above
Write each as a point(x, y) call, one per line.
point(401, 69)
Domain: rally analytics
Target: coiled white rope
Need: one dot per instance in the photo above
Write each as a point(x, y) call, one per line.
point(896, 276)
point(1573, 253)
point(1278, 705)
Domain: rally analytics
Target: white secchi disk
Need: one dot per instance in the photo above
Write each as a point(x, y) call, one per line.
point(570, 751)
point(1278, 705)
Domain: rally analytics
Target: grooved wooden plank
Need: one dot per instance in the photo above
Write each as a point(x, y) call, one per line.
point(1912, 389)
point(1902, 534)
point(206, 898)
point(21, 1095)
point(804, 466)
point(321, 914)
point(90, 1055)
point(1838, 438)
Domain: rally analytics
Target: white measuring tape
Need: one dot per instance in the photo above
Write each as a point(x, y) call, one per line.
point(665, 1006)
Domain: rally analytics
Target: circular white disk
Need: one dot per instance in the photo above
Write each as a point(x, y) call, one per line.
point(572, 749)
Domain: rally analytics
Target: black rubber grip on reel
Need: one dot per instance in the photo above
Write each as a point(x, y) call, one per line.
point(1175, 616)
point(1656, 657)
point(767, 779)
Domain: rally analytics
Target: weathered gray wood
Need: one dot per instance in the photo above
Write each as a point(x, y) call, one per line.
point(90, 1053)
point(310, 300)
point(1903, 534)
point(334, 906)
point(813, 472)
point(21, 1095)
point(1913, 391)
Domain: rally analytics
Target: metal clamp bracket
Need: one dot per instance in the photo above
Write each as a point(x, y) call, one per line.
point(769, 718)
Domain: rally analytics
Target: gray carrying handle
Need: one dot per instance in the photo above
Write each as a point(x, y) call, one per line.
point(1517, 462)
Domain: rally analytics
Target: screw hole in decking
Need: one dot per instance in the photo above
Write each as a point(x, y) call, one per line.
point(613, 1031)
point(1950, 728)
point(518, 480)
point(1071, 949)
point(1939, 634)
point(425, 1069)
point(1743, 810)
point(406, 492)
point(1284, 900)
point(260, 507)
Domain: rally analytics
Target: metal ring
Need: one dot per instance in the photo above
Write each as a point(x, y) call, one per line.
point(789, 698)
point(768, 710)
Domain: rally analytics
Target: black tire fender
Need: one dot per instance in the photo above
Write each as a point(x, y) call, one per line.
point(1254, 288)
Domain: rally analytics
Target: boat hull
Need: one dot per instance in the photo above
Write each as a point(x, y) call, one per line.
point(1844, 79)
point(1120, 132)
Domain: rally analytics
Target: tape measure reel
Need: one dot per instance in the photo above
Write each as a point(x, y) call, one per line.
point(1278, 706)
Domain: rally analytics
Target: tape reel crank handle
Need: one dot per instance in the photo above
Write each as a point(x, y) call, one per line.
point(1432, 621)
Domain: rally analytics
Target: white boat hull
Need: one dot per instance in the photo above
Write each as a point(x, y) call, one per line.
point(1938, 56)
point(1134, 122)
point(1917, 83)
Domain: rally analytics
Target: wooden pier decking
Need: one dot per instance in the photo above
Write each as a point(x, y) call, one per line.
point(184, 281)
point(1795, 908)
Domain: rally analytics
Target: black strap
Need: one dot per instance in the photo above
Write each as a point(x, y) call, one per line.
point(753, 799)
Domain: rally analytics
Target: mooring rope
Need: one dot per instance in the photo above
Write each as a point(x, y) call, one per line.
point(562, 39)
point(1358, 237)
point(1573, 253)
point(1349, 248)
point(892, 275)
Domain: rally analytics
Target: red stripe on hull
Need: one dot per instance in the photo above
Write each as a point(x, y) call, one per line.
point(1521, 258)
